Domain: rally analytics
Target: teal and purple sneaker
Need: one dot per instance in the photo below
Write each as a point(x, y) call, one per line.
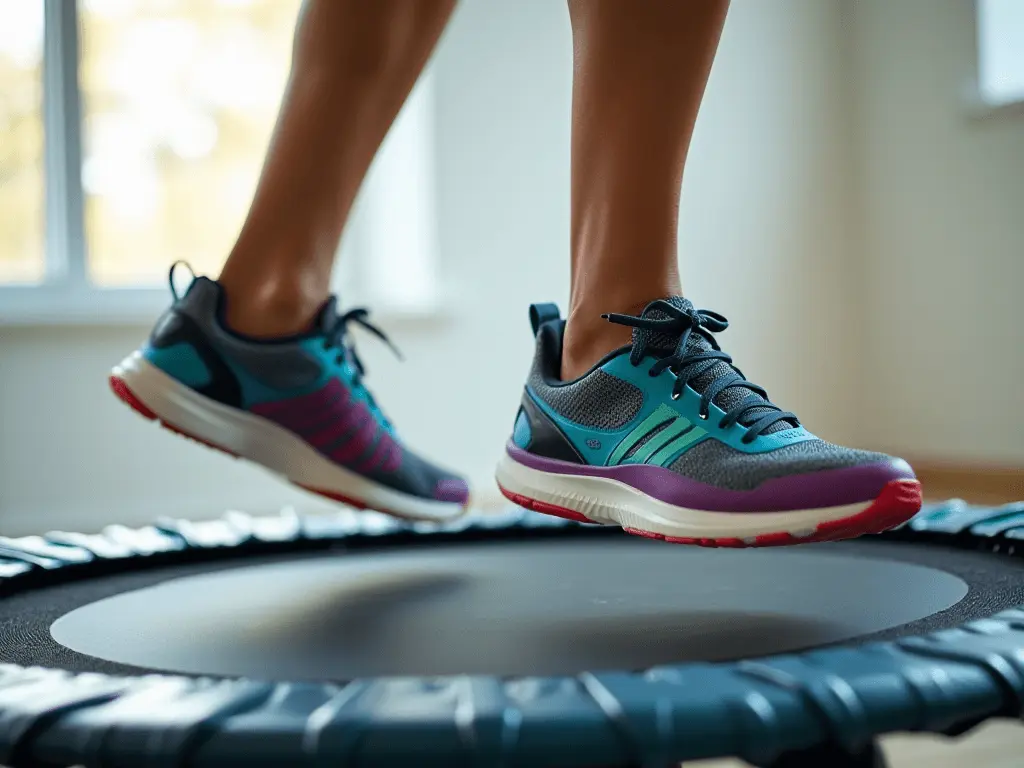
point(297, 406)
point(667, 439)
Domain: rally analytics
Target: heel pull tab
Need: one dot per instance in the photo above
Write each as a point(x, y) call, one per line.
point(540, 314)
point(170, 278)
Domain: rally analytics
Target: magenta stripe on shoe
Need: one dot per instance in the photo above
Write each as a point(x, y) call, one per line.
point(305, 412)
point(343, 418)
point(376, 457)
point(827, 488)
point(357, 444)
point(453, 490)
point(393, 460)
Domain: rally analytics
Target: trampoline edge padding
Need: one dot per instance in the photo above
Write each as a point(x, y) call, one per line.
point(943, 682)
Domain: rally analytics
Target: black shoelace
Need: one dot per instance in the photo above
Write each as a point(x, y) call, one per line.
point(687, 366)
point(338, 336)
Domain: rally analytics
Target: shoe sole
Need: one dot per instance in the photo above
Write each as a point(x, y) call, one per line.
point(158, 397)
point(609, 502)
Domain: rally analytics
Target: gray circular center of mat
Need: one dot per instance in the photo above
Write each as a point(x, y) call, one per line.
point(523, 608)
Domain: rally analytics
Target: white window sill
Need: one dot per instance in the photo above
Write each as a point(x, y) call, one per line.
point(64, 305)
point(979, 107)
point(59, 306)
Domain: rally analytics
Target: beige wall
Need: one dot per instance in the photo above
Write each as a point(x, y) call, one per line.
point(942, 217)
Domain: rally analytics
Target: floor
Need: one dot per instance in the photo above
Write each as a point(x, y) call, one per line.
point(995, 745)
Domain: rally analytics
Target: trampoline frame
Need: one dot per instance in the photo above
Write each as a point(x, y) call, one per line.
point(821, 707)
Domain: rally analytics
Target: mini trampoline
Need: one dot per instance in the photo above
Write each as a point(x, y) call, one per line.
point(515, 640)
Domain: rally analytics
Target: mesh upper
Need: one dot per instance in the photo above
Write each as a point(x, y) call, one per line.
point(731, 397)
point(414, 475)
point(715, 463)
point(598, 401)
point(284, 364)
point(602, 401)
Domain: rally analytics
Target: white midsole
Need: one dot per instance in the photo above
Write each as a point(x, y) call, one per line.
point(612, 502)
point(261, 441)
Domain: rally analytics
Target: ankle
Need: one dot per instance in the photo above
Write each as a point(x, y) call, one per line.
point(589, 337)
point(269, 310)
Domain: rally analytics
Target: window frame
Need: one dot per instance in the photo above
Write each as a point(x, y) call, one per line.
point(66, 296)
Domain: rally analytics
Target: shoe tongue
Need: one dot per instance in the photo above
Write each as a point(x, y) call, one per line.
point(327, 317)
point(663, 344)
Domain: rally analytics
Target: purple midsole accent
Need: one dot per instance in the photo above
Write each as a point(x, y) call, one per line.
point(451, 490)
point(813, 490)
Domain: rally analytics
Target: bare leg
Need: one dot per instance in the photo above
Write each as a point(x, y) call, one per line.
point(354, 64)
point(639, 75)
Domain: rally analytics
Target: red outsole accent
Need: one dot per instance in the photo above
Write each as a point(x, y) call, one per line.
point(126, 396)
point(348, 500)
point(544, 507)
point(899, 501)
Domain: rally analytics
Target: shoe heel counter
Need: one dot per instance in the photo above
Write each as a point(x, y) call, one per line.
point(522, 432)
point(188, 319)
point(179, 346)
point(535, 432)
point(173, 349)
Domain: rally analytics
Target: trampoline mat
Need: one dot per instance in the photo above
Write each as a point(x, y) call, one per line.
point(535, 607)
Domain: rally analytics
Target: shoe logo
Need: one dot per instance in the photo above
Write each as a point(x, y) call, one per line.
point(595, 444)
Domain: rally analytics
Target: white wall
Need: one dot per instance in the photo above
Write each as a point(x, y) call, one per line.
point(763, 240)
point(943, 240)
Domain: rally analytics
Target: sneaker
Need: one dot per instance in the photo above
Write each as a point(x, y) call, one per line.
point(297, 405)
point(666, 438)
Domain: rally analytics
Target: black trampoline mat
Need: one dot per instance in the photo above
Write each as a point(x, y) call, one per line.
point(536, 608)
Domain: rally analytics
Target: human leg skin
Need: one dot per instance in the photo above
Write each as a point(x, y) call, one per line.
point(354, 64)
point(639, 74)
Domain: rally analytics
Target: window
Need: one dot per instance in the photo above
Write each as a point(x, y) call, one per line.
point(132, 134)
point(178, 102)
point(1001, 51)
point(21, 142)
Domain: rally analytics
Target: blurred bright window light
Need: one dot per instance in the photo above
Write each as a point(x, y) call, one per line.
point(179, 98)
point(1001, 51)
point(22, 224)
point(172, 104)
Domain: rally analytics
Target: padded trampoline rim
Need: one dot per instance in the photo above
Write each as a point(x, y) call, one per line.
point(944, 682)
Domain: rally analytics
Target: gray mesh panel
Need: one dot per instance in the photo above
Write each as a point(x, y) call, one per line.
point(717, 464)
point(283, 366)
point(598, 400)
